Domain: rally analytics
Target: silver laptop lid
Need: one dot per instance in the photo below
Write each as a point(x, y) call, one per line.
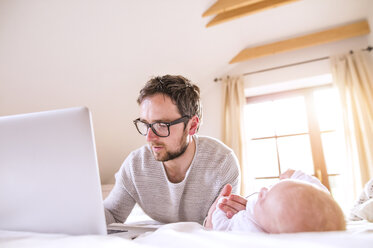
point(49, 178)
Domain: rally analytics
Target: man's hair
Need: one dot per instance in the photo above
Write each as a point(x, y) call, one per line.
point(184, 94)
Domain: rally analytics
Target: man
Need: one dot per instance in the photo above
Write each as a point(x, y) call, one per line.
point(178, 175)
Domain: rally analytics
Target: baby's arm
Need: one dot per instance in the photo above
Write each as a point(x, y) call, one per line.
point(287, 174)
point(299, 175)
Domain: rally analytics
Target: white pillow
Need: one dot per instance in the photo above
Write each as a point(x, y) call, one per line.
point(365, 210)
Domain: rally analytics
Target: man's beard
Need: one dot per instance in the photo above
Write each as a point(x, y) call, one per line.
point(172, 155)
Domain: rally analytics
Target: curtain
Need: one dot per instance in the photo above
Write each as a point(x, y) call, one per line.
point(233, 119)
point(352, 74)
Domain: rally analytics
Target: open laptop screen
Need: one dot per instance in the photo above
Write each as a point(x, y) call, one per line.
point(49, 179)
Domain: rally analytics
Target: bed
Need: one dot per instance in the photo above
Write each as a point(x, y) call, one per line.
point(359, 234)
point(190, 234)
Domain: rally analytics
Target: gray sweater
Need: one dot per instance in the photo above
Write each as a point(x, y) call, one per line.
point(143, 180)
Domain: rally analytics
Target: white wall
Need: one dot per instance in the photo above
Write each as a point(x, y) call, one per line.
point(56, 54)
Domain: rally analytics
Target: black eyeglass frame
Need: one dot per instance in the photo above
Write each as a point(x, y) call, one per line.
point(168, 124)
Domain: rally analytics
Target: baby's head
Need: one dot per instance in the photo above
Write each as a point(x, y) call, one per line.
point(295, 206)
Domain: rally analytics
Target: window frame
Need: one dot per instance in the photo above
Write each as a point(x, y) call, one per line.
point(314, 132)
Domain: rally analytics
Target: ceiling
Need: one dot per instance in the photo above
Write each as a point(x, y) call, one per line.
point(156, 37)
point(288, 21)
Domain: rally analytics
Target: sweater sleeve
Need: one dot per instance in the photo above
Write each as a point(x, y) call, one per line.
point(119, 203)
point(231, 173)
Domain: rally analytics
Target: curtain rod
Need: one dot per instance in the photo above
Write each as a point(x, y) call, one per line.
point(369, 48)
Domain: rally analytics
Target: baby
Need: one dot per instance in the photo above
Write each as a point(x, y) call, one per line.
point(298, 203)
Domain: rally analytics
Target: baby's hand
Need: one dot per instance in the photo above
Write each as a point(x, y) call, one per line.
point(287, 174)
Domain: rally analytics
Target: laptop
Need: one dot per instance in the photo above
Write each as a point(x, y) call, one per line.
point(49, 178)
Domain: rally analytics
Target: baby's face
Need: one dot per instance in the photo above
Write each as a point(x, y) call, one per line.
point(267, 205)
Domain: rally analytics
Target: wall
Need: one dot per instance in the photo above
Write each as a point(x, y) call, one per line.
point(56, 54)
point(308, 70)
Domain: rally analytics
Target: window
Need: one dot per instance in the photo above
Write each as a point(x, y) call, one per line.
point(299, 130)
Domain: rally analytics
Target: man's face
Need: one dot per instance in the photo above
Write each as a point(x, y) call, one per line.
point(160, 108)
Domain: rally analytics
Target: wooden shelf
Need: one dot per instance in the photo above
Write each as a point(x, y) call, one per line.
point(318, 38)
point(227, 5)
point(230, 10)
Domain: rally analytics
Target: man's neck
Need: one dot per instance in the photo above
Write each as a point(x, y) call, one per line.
point(177, 168)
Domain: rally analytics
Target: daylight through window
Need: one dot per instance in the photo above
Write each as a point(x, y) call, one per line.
point(300, 130)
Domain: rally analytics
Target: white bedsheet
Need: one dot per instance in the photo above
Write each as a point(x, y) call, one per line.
point(32, 240)
point(193, 235)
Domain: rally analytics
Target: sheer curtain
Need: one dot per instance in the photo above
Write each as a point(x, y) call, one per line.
point(233, 119)
point(352, 74)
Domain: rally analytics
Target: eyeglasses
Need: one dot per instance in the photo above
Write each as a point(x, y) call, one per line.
point(161, 129)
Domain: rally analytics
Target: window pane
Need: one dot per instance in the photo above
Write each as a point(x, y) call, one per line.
point(334, 150)
point(290, 114)
point(262, 157)
point(339, 193)
point(295, 153)
point(328, 110)
point(259, 120)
